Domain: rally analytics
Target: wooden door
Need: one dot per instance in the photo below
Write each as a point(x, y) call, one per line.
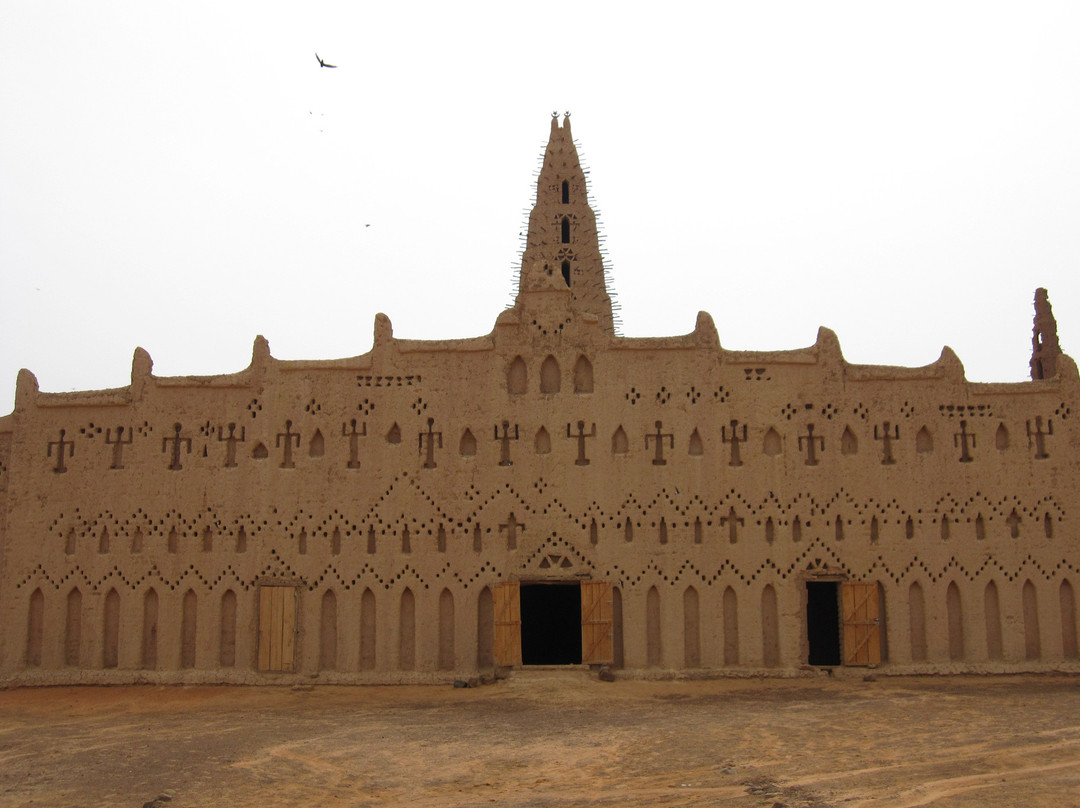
point(862, 623)
point(277, 627)
point(507, 597)
point(596, 623)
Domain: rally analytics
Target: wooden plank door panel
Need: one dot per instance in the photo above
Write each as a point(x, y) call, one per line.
point(596, 623)
point(862, 623)
point(288, 626)
point(277, 627)
point(507, 597)
point(265, 624)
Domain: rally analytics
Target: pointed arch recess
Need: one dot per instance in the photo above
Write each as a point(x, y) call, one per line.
point(517, 377)
point(328, 632)
point(35, 629)
point(110, 640)
point(653, 655)
point(583, 375)
point(550, 375)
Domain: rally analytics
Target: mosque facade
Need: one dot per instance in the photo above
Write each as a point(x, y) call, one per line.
point(551, 493)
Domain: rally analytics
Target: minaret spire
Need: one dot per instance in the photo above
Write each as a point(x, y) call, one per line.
point(1045, 349)
point(562, 250)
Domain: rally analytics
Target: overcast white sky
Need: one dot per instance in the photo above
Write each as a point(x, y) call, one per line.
point(184, 176)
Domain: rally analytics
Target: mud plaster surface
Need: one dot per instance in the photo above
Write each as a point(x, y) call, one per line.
point(551, 738)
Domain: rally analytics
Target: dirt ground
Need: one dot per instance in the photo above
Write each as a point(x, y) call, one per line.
point(546, 738)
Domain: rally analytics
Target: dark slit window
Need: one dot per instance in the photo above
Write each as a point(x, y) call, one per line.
point(565, 231)
point(566, 272)
point(565, 192)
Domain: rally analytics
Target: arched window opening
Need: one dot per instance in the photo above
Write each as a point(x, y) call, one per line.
point(447, 656)
point(516, 377)
point(111, 631)
point(485, 629)
point(565, 230)
point(731, 628)
point(367, 631)
point(691, 629)
point(150, 629)
point(227, 652)
point(917, 622)
point(771, 445)
point(542, 443)
point(1001, 438)
point(924, 442)
point(1032, 641)
point(583, 376)
point(954, 612)
point(328, 632)
point(467, 445)
point(770, 628)
point(992, 612)
point(188, 629)
point(620, 444)
point(550, 376)
point(73, 629)
point(36, 629)
point(566, 192)
point(652, 628)
point(1067, 602)
point(407, 631)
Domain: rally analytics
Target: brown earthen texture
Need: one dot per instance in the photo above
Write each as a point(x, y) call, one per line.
point(552, 738)
point(550, 492)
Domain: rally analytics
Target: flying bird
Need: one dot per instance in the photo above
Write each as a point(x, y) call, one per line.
point(322, 63)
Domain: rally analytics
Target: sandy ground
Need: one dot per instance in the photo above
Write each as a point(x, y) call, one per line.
point(550, 738)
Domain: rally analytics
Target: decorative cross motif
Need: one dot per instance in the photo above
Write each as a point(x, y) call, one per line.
point(1040, 436)
point(177, 443)
point(511, 527)
point(118, 445)
point(734, 440)
point(230, 443)
point(886, 439)
point(504, 449)
point(354, 442)
point(290, 437)
point(581, 436)
point(431, 435)
point(733, 522)
point(658, 439)
point(62, 446)
point(961, 439)
point(811, 443)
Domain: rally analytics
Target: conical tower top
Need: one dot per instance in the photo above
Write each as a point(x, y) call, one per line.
point(562, 251)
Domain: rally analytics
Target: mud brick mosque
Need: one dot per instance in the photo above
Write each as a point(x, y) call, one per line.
point(550, 493)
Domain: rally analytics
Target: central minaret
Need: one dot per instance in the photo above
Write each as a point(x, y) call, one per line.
point(562, 250)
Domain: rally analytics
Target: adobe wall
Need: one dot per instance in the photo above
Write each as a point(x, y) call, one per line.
point(695, 519)
point(395, 491)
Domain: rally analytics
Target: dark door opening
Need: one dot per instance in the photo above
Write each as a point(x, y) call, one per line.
point(823, 622)
point(550, 624)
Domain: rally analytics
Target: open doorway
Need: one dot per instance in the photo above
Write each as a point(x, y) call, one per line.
point(823, 622)
point(551, 624)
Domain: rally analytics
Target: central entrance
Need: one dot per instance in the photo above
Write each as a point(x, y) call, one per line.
point(551, 624)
